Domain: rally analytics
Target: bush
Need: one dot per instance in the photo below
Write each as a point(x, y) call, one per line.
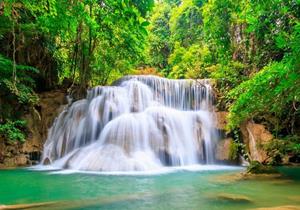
point(256, 167)
point(13, 130)
point(277, 149)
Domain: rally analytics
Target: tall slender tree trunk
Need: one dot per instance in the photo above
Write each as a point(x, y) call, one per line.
point(14, 73)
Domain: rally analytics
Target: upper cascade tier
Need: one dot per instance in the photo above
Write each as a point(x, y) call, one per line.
point(139, 123)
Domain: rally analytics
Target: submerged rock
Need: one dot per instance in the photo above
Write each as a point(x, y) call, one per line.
point(289, 207)
point(26, 206)
point(236, 198)
point(276, 178)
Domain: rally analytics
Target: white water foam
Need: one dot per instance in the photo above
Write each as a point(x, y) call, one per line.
point(161, 171)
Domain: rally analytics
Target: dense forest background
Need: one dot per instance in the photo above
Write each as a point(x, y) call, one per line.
point(251, 49)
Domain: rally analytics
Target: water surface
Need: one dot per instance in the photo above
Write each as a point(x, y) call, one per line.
point(181, 189)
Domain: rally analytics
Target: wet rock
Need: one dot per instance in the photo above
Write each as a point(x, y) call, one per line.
point(47, 161)
point(165, 157)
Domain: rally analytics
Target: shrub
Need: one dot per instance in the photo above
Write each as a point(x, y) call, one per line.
point(13, 130)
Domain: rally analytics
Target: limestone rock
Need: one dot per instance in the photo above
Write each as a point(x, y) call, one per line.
point(21, 160)
point(255, 136)
point(223, 149)
point(221, 120)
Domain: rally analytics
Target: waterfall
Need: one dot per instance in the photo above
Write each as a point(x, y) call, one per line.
point(139, 123)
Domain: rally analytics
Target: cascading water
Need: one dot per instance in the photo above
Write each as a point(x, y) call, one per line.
point(140, 123)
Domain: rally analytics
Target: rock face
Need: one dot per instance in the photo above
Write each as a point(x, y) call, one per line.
point(255, 136)
point(221, 120)
point(38, 120)
point(223, 145)
point(223, 150)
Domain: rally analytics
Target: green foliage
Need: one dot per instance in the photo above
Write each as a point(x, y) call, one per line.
point(237, 147)
point(176, 28)
point(159, 46)
point(89, 39)
point(251, 48)
point(185, 23)
point(256, 167)
point(23, 89)
point(189, 62)
point(216, 26)
point(270, 91)
point(233, 151)
point(287, 147)
point(13, 130)
point(86, 42)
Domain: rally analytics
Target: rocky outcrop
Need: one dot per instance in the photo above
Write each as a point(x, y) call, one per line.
point(39, 120)
point(255, 136)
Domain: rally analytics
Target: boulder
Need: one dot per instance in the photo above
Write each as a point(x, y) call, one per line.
point(255, 136)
